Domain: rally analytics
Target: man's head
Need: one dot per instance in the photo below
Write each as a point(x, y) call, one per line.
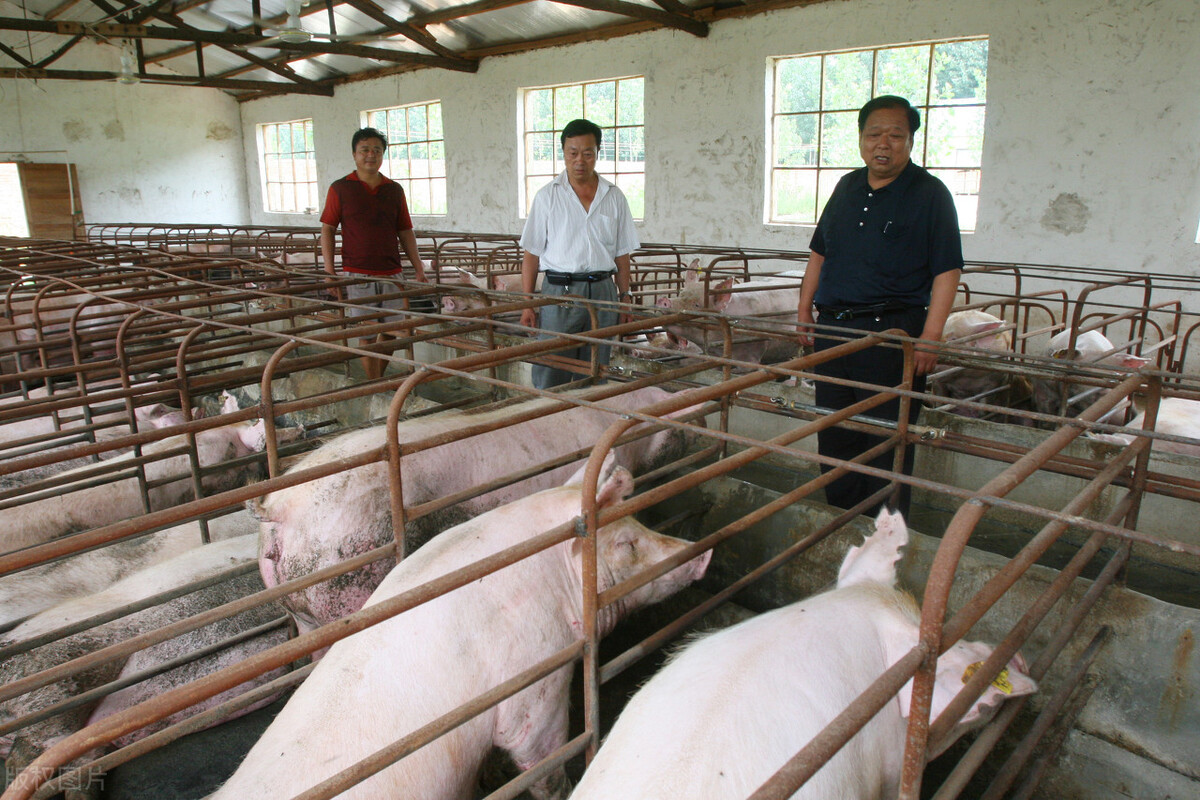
point(580, 144)
point(369, 147)
point(886, 125)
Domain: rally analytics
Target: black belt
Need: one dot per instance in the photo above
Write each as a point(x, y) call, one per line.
point(841, 313)
point(567, 278)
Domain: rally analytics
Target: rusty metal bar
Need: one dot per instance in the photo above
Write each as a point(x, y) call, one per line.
point(796, 772)
point(984, 743)
point(130, 608)
point(192, 724)
point(941, 575)
point(1016, 760)
point(669, 632)
point(92, 695)
point(1060, 729)
point(182, 697)
point(384, 758)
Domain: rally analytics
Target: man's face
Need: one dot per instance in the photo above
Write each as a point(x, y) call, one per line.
point(368, 155)
point(885, 144)
point(579, 154)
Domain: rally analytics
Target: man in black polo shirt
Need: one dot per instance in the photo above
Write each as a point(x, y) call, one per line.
point(886, 254)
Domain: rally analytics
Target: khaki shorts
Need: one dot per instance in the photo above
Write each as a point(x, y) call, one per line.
point(369, 289)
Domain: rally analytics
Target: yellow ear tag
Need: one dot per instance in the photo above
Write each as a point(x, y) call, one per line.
point(1001, 681)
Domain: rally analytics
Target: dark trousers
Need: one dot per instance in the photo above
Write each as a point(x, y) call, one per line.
point(882, 366)
point(573, 319)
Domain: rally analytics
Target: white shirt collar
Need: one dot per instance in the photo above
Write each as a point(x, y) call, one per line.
point(562, 180)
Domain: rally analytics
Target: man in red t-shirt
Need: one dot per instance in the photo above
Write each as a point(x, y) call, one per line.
point(373, 215)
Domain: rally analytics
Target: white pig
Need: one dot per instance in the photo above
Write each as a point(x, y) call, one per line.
point(649, 346)
point(732, 708)
point(1090, 349)
point(987, 333)
point(1176, 417)
point(38, 588)
point(153, 416)
point(511, 282)
point(22, 745)
point(391, 679)
point(42, 520)
point(775, 299)
point(323, 522)
point(458, 303)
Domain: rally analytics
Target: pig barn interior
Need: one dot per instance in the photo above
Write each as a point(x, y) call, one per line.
point(163, 290)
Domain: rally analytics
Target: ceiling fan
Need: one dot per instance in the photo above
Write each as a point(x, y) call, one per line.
point(292, 32)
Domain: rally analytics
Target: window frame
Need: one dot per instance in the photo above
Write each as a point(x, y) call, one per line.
point(831, 173)
point(611, 134)
point(407, 181)
point(262, 129)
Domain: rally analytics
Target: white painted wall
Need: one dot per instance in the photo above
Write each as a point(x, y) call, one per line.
point(1091, 156)
point(144, 153)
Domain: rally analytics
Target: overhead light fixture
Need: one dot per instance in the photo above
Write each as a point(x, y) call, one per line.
point(128, 74)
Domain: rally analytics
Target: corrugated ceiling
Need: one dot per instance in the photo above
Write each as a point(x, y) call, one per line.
point(218, 43)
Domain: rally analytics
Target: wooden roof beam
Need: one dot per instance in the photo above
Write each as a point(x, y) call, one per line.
point(664, 18)
point(451, 13)
point(417, 35)
point(676, 7)
point(170, 80)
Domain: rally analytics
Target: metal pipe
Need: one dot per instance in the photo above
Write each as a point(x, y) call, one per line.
point(1016, 760)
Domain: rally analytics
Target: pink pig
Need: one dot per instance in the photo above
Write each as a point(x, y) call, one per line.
point(775, 299)
point(329, 520)
point(42, 520)
point(395, 677)
point(732, 708)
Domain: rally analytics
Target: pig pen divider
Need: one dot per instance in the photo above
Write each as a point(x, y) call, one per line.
point(177, 699)
point(867, 470)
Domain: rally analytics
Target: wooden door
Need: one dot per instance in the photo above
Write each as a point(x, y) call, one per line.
point(52, 201)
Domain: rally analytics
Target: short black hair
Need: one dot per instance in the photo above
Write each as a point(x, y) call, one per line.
point(579, 127)
point(366, 133)
point(889, 101)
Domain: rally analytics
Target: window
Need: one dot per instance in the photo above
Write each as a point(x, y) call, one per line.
point(288, 166)
point(12, 202)
point(814, 120)
point(616, 106)
point(416, 156)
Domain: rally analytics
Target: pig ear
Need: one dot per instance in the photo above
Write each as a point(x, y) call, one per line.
point(229, 403)
point(958, 664)
point(252, 435)
point(721, 294)
point(150, 412)
point(875, 559)
point(610, 461)
point(615, 487)
point(987, 342)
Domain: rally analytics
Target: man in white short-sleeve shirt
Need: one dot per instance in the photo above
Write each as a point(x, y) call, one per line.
point(580, 234)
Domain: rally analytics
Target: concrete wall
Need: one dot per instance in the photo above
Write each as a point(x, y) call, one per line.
point(1090, 155)
point(144, 153)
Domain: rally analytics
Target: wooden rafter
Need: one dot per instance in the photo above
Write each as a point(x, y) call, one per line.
point(664, 18)
point(417, 35)
point(120, 31)
point(452, 13)
point(170, 80)
point(283, 70)
point(676, 7)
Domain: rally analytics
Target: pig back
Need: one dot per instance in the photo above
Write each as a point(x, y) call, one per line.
point(733, 707)
point(324, 522)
